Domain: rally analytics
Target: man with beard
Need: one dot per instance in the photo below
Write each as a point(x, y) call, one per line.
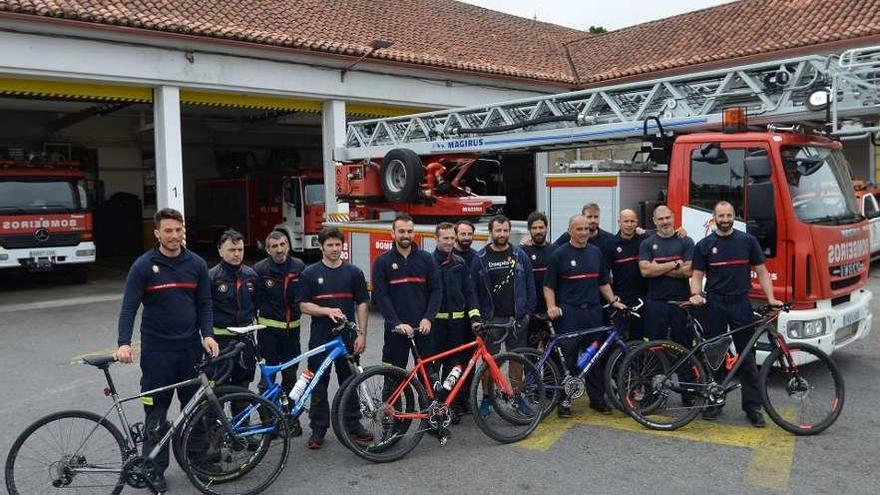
point(626, 279)
point(176, 324)
point(539, 252)
point(505, 288)
point(279, 280)
point(406, 287)
point(574, 287)
point(598, 237)
point(464, 237)
point(332, 291)
point(665, 261)
point(234, 297)
point(726, 258)
point(459, 311)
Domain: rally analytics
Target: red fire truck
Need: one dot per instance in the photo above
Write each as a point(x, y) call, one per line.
point(790, 185)
point(45, 218)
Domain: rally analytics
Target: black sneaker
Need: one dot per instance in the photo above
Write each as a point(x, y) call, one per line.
point(294, 429)
point(712, 413)
point(159, 483)
point(316, 440)
point(601, 408)
point(457, 413)
point(563, 410)
point(756, 418)
point(360, 434)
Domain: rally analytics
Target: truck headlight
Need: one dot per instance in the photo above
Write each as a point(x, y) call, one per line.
point(806, 329)
point(314, 242)
point(85, 252)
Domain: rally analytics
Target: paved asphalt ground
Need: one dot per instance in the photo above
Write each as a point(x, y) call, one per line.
point(45, 322)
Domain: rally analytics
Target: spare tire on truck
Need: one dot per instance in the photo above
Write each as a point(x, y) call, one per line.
point(401, 174)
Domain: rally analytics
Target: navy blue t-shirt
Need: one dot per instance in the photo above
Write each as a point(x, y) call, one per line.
point(664, 250)
point(603, 240)
point(727, 261)
point(626, 279)
point(540, 256)
point(576, 274)
point(343, 287)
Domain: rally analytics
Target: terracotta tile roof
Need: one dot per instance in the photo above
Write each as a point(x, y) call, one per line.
point(739, 29)
point(438, 33)
point(453, 35)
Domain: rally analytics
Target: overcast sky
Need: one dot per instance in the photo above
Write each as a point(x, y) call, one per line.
point(581, 14)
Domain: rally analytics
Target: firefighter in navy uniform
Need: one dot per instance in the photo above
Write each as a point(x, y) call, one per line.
point(726, 259)
point(280, 341)
point(665, 261)
point(176, 324)
point(597, 236)
point(459, 312)
point(406, 287)
point(464, 237)
point(539, 252)
point(575, 285)
point(332, 291)
point(626, 279)
point(234, 295)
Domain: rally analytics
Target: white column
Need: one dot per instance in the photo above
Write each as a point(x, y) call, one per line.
point(169, 151)
point(333, 136)
point(542, 166)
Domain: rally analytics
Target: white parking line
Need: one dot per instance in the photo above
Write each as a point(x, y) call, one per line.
point(60, 303)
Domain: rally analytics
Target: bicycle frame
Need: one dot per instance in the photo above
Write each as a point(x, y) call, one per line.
point(762, 326)
point(419, 372)
point(335, 349)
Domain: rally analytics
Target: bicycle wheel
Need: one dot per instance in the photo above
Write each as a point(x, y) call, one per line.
point(55, 452)
point(335, 418)
point(502, 416)
point(550, 375)
point(802, 390)
point(365, 398)
point(177, 437)
point(660, 387)
point(245, 463)
point(612, 369)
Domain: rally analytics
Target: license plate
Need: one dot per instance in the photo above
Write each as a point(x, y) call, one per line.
point(850, 318)
point(45, 253)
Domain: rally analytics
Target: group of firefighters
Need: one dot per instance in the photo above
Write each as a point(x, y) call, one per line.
point(438, 299)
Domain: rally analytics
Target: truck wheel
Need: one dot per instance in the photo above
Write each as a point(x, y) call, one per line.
point(401, 174)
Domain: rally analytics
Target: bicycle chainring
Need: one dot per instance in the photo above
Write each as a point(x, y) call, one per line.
point(439, 416)
point(573, 387)
point(139, 471)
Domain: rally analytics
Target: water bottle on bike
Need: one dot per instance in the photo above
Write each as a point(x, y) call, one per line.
point(452, 378)
point(587, 355)
point(301, 384)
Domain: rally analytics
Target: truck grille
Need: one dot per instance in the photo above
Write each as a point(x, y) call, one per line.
point(840, 284)
point(28, 241)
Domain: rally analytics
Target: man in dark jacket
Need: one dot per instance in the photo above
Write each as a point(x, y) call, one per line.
point(176, 324)
point(234, 296)
point(406, 287)
point(458, 308)
point(279, 276)
point(505, 288)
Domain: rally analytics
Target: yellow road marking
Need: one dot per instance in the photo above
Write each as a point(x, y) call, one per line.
point(769, 467)
point(135, 347)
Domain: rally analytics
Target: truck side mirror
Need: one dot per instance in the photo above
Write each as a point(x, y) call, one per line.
point(758, 166)
point(712, 153)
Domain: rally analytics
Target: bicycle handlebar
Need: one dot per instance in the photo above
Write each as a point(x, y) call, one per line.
point(485, 329)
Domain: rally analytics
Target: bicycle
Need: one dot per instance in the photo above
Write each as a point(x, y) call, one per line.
point(214, 445)
point(559, 383)
point(273, 392)
point(400, 406)
point(784, 374)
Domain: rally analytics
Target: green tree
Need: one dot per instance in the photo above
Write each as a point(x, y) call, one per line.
point(597, 30)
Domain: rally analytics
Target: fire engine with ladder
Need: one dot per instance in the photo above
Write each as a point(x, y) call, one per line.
point(761, 136)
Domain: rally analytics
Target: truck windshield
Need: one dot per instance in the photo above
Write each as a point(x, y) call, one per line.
point(37, 196)
point(314, 194)
point(820, 185)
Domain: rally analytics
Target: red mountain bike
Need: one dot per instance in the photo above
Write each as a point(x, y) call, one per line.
point(399, 407)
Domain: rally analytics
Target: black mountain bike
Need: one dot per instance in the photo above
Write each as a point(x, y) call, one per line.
point(664, 385)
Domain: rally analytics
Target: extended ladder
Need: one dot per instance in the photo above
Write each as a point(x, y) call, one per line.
point(774, 91)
